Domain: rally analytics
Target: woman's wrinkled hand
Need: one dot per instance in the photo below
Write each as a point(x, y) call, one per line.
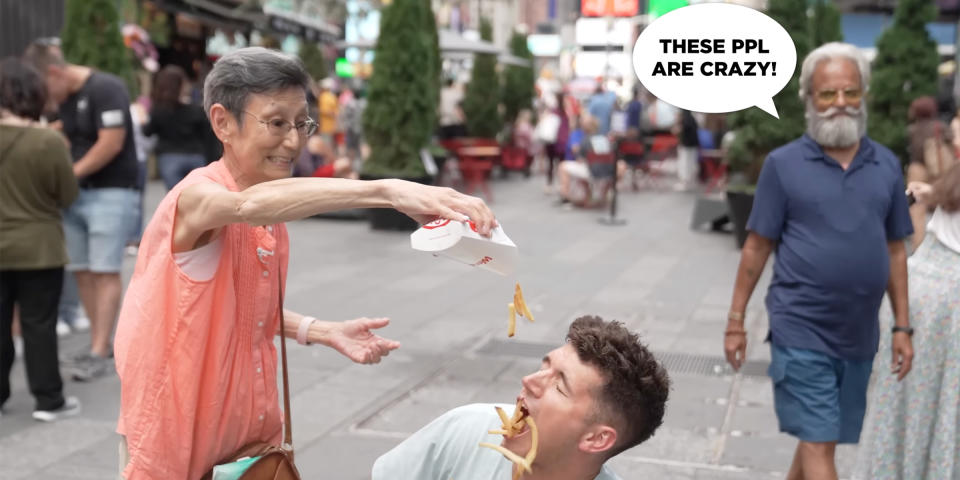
point(424, 204)
point(355, 340)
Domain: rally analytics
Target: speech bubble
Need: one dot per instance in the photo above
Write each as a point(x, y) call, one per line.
point(715, 58)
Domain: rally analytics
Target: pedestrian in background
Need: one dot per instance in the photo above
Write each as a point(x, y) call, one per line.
point(687, 151)
point(912, 429)
point(931, 154)
point(36, 182)
point(94, 109)
point(180, 128)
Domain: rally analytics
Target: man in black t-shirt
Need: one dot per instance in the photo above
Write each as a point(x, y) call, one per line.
point(94, 109)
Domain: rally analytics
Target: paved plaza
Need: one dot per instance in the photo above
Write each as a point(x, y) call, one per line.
point(655, 274)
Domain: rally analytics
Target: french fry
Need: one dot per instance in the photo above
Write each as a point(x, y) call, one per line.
point(498, 432)
point(504, 418)
point(512, 321)
point(534, 441)
point(513, 457)
point(521, 303)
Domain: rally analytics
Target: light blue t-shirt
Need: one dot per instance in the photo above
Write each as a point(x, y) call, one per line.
point(448, 448)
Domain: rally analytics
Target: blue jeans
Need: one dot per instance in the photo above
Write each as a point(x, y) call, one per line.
point(97, 227)
point(174, 166)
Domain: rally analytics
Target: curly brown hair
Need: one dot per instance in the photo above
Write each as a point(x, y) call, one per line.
point(946, 190)
point(634, 395)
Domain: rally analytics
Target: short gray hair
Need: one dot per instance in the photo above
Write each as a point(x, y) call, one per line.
point(251, 70)
point(832, 51)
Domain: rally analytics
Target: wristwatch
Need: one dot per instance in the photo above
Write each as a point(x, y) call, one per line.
point(907, 330)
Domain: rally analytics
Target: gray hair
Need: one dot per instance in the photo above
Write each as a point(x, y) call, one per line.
point(832, 51)
point(252, 70)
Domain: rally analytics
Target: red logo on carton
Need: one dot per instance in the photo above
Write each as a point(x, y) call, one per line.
point(440, 222)
point(483, 261)
point(443, 222)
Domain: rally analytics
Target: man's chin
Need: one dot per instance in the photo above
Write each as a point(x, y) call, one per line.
point(519, 444)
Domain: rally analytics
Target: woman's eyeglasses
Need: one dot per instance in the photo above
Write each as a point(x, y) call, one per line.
point(281, 128)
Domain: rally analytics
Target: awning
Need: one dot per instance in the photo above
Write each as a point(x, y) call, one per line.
point(450, 42)
point(203, 15)
point(503, 58)
point(310, 29)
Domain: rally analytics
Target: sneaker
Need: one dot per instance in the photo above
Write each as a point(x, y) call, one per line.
point(71, 406)
point(80, 323)
point(63, 329)
point(93, 368)
point(74, 361)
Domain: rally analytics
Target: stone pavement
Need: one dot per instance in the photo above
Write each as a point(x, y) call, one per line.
point(654, 274)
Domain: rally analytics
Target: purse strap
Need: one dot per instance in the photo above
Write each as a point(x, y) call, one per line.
point(287, 429)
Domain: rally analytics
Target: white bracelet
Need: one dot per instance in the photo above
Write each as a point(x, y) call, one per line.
point(303, 329)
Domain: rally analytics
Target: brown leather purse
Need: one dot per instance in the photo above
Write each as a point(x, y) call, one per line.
point(275, 462)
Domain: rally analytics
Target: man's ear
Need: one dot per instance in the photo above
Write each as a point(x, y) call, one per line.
point(223, 124)
point(598, 439)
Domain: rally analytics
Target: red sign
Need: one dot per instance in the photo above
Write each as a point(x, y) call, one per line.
point(609, 8)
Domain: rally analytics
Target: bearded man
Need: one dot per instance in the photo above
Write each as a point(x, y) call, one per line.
point(832, 205)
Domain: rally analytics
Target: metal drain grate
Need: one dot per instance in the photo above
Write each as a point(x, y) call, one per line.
point(674, 362)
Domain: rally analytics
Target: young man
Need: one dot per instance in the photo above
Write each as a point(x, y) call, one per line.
point(94, 109)
point(599, 394)
point(832, 203)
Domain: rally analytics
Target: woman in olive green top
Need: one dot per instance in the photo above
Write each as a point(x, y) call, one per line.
point(36, 181)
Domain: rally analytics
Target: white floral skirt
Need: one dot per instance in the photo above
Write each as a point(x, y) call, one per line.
point(912, 427)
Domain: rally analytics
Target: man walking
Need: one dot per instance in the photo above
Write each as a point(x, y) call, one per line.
point(832, 203)
point(94, 108)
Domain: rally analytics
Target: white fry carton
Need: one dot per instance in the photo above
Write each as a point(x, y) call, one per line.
point(461, 242)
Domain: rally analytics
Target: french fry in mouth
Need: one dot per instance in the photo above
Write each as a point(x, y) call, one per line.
point(512, 320)
point(513, 426)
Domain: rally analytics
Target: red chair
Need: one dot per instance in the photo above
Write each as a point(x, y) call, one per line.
point(633, 151)
point(516, 159)
point(715, 169)
point(662, 147)
point(476, 157)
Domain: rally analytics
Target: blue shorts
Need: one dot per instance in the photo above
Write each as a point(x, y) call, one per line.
point(819, 398)
point(97, 227)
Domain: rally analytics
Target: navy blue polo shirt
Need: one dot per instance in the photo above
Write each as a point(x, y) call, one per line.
point(832, 227)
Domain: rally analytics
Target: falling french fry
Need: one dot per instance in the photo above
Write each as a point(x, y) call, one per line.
point(512, 320)
point(521, 303)
point(513, 457)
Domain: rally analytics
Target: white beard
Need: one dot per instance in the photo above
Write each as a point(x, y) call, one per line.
point(836, 127)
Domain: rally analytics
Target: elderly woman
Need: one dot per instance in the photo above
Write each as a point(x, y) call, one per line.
point(194, 346)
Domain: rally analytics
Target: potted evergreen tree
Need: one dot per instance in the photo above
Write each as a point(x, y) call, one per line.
point(480, 103)
point(91, 37)
point(825, 24)
point(757, 133)
point(517, 80)
point(401, 101)
point(313, 60)
point(905, 68)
